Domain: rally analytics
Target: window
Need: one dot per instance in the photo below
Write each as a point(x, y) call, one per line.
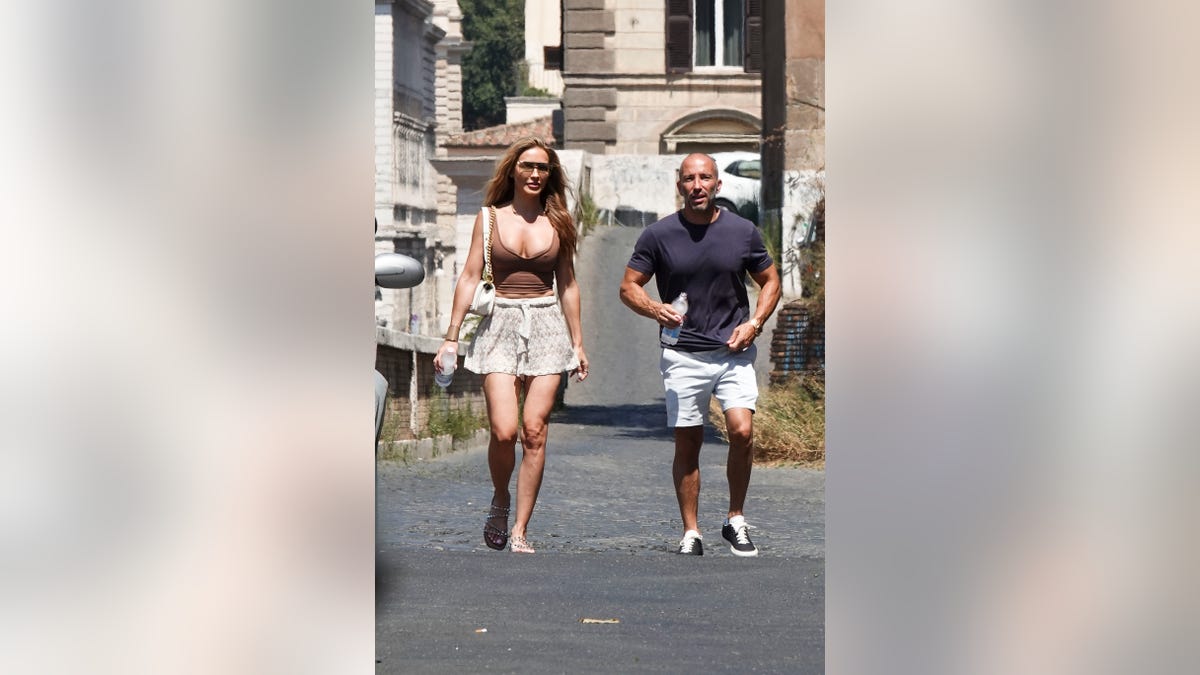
point(718, 33)
point(714, 33)
point(746, 168)
point(552, 57)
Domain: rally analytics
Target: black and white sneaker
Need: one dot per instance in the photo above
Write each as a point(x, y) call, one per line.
point(691, 544)
point(736, 532)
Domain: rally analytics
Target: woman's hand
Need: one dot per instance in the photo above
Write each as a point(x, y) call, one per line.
point(437, 358)
point(581, 372)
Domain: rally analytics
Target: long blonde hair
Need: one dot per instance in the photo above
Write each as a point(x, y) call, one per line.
point(500, 189)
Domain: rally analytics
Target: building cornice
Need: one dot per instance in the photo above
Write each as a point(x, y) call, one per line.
point(411, 122)
point(421, 8)
point(454, 46)
point(726, 81)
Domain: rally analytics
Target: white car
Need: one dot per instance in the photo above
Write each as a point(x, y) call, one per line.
point(741, 182)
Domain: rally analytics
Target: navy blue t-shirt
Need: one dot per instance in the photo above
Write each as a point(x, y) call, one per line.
point(709, 263)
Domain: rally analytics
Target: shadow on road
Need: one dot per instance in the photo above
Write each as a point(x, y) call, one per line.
point(640, 420)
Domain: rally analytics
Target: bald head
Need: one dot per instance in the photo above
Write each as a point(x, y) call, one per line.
point(706, 163)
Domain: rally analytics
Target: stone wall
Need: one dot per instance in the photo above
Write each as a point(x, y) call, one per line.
point(406, 361)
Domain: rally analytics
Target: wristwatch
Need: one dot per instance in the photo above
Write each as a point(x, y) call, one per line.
point(757, 327)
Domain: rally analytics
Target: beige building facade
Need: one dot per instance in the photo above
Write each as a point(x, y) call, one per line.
point(655, 77)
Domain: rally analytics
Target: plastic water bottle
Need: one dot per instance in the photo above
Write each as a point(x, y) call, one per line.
point(671, 335)
point(449, 362)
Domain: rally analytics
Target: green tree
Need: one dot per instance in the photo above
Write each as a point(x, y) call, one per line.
point(496, 28)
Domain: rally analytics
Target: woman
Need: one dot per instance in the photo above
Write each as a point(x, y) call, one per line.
point(527, 342)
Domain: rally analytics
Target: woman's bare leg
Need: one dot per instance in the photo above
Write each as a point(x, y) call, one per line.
point(540, 392)
point(500, 392)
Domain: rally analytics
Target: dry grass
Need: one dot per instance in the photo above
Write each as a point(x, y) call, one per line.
point(789, 425)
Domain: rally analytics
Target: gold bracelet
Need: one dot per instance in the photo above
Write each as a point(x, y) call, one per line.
point(452, 330)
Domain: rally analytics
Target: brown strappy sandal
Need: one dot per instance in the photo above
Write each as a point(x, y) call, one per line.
point(494, 537)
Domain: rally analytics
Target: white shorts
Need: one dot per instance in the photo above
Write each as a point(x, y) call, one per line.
point(692, 378)
point(522, 337)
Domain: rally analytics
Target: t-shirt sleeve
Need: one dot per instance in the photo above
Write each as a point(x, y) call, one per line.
point(757, 259)
point(644, 253)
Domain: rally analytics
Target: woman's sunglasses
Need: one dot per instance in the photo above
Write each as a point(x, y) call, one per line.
point(529, 167)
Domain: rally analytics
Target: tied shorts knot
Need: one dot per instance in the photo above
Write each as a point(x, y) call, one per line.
point(522, 336)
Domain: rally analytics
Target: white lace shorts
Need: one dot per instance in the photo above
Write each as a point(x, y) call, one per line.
point(522, 337)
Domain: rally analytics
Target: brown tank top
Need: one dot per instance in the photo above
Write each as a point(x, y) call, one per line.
point(518, 277)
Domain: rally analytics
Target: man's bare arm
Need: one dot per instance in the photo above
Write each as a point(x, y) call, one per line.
point(768, 297)
point(770, 289)
point(633, 294)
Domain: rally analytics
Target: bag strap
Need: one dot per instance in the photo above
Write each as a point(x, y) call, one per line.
point(488, 223)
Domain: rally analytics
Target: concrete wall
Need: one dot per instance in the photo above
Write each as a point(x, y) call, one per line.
point(634, 188)
point(801, 192)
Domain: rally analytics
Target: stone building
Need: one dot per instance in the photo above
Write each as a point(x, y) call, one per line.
point(406, 200)
point(418, 107)
point(650, 77)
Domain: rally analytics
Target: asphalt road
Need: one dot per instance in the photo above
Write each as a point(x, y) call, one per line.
point(605, 527)
point(622, 346)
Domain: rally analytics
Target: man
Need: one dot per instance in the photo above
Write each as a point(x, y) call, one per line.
point(706, 252)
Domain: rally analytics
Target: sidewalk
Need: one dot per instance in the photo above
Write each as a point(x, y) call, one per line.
point(605, 527)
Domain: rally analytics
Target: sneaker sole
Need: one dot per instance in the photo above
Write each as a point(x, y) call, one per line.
point(743, 554)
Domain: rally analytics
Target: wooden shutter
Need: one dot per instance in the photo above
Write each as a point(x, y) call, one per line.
point(752, 44)
point(679, 36)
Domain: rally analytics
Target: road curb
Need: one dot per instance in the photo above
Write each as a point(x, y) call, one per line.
point(423, 449)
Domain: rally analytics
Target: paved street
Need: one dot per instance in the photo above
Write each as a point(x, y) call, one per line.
point(605, 527)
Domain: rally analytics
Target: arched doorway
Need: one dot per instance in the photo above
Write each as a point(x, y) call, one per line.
point(712, 131)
